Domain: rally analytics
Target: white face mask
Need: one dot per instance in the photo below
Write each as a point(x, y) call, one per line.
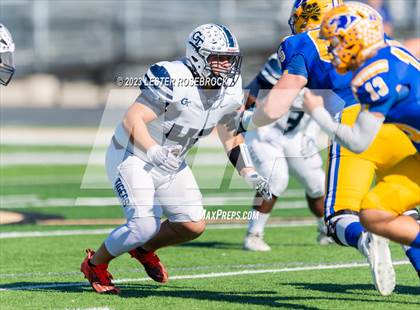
point(6, 68)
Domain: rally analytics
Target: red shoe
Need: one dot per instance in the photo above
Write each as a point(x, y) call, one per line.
point(98, 276)
point(151, 263)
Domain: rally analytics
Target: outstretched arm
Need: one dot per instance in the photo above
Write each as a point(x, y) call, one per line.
point(240, 158)
point(279, 100)
point(356, 138)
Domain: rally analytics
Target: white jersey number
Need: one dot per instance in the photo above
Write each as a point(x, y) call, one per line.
point(377, 88)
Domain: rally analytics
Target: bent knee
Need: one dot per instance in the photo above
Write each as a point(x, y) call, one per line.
point(144, 228)
point(375, 220)
point(191, 229)
point(366, 221)
point(196, 228)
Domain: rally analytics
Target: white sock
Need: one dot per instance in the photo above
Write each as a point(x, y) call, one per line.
point(257, 223)
point(321, 225)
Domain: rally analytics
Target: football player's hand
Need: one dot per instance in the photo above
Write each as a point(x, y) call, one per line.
point(259, 183)
point(165, 157)
point(311, 101)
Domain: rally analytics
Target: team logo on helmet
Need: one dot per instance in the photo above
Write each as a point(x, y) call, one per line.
point(213, 55)
point(311, 11)
point(342, 21)
point(197, 39)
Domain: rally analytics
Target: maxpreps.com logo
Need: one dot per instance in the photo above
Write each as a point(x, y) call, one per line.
point(342, 22)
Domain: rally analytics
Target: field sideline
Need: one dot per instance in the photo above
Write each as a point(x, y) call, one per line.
point(39, 262)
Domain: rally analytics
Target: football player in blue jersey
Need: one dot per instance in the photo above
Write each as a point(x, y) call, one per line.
point(7, 47)
point(306, 62)
point(386, 82)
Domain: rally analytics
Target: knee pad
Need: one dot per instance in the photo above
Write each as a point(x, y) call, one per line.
point(136, 232)
point(143, 228)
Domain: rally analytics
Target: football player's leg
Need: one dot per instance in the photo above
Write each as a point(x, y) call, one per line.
point(181, 201)
point(261, 210)
point(135, 188)
point(309, 172)
point(180, 198)
point(348, 180)
point(269, 161)
point(277, 173)
point(383, 208)
point(254, 238)
point(349, 177)
point(413, 254)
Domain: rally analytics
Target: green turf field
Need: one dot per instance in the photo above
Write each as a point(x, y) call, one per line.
point(39, 263)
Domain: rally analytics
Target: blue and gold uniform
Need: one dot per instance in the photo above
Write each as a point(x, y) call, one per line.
point(350, 175)
point(389, 83)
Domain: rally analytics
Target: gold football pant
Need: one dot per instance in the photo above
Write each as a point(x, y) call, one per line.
point(350, 175)
point(399, 190)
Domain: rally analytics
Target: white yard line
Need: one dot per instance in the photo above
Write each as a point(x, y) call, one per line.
point(48, 180)
point(206, 275)
point(83, 232)
point(96, 158)
point(53, 233)
point(171, 269)
point(51, 158)
point(33, 201)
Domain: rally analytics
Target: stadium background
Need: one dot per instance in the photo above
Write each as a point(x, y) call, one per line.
point(54, 130)
point(68, 53)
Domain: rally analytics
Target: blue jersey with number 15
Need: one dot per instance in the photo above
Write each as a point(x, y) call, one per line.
point(389, 83)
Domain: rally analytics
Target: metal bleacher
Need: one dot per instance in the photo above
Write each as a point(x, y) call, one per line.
point(59, 36)
point(65, 35)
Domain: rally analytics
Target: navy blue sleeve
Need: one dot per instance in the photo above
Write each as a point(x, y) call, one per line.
point(156, 89)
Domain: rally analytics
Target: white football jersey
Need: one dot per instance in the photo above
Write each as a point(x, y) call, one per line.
point(185, 112)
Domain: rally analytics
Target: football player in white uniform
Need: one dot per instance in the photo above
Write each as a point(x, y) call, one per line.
point(145, 161)
point(287, 145)
point(7, 47)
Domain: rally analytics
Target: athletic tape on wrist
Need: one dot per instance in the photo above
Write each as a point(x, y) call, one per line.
point(240, 158)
